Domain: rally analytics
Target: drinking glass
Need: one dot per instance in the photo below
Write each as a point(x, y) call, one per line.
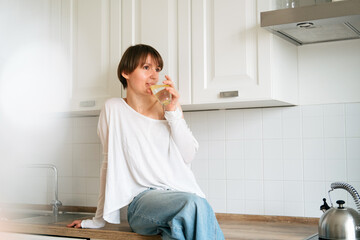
point(161, 94)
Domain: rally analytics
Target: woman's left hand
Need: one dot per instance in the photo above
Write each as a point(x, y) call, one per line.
point(75, 224)
point(175, 95)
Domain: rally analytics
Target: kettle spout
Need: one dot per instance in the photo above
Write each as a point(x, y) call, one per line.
point(325, 206)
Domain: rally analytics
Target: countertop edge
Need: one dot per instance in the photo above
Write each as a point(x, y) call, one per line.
point(71, 232)
point(266, 218)
point(113, 232)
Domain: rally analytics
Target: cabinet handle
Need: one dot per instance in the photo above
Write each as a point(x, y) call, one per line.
point(87, 103)
point(229, 94)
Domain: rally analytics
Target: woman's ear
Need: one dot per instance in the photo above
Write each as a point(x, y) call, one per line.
point(125, 75)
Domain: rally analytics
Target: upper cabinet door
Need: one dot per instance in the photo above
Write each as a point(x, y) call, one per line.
point(90, 32)
point(233, 59)
point(165, 25)
point(224, 37)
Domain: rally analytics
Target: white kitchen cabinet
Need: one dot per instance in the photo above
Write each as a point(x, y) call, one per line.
point(165, 25)
point(63, 54)
point(100, 31)
point(90, 34)
point(215, 46)
point(233, 55)
point(208, 47)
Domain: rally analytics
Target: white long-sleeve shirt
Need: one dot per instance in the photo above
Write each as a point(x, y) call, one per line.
point(140, 153)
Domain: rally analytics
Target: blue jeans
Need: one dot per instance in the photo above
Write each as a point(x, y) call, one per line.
point(174, 215)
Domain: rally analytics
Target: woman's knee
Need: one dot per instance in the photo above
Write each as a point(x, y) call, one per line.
point(194, 200)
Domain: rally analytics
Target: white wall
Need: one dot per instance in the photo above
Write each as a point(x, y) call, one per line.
point(276, 161)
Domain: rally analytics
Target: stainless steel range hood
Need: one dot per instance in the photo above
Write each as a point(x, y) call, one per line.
point(324, 22)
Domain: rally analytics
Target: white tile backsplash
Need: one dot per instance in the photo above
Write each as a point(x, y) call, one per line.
point(291, 126)
point(352, 112)
point(312, 110)
point(252, 123)
point(335, 170)
point(234, 124)
point(85, 130)
point(334, 126)
point(313, 126)
point(234, 149)
point(217, 168)
point(254, 169)
point(314, 190)
point(254, 190)
point(200, 168)
point(293, 170)
point(353, 148)
point(235, 169)
point(294, 209)
point(255, 207)
point(253, 149)
point(352, 109)
point(273, 161)
point(334, 110)
point(216, 125)
point(236, 206)
point(273, 149)
point(217, 188)
point(352, 126)
point(313, 148)
point(273, 191)
point(292, 149)
point(272, 123)
point(217, 150)
point(218, 204)
point(92, 186)
point(273, 169)
point(274, 208)
point(334, 148)
point(353, 172)
point(314, 170)
point(293, 191)
point(235, 189)
point(199, 125)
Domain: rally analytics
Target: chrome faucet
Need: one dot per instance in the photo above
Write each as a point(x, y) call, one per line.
point(56, 203)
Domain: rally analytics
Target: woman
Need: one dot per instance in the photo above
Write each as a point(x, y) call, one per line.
point(147, 151)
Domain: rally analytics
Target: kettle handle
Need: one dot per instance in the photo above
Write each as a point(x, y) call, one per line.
point(348, 188)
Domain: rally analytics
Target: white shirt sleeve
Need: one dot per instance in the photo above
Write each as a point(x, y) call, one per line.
point(98, 221)
point(182, 135)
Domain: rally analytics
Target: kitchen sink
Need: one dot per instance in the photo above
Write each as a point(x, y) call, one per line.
point(42, 217)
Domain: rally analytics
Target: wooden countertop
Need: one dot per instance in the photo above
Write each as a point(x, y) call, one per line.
point(251, 227)
point(234, 226)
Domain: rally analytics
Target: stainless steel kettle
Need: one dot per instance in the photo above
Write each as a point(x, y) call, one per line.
point(340, 222)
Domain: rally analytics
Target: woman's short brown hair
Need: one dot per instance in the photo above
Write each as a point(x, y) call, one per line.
point(135, 56)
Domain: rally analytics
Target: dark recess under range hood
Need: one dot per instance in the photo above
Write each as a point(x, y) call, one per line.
point(333, 21)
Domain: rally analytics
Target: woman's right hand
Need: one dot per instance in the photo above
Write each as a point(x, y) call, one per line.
point(75, 224)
